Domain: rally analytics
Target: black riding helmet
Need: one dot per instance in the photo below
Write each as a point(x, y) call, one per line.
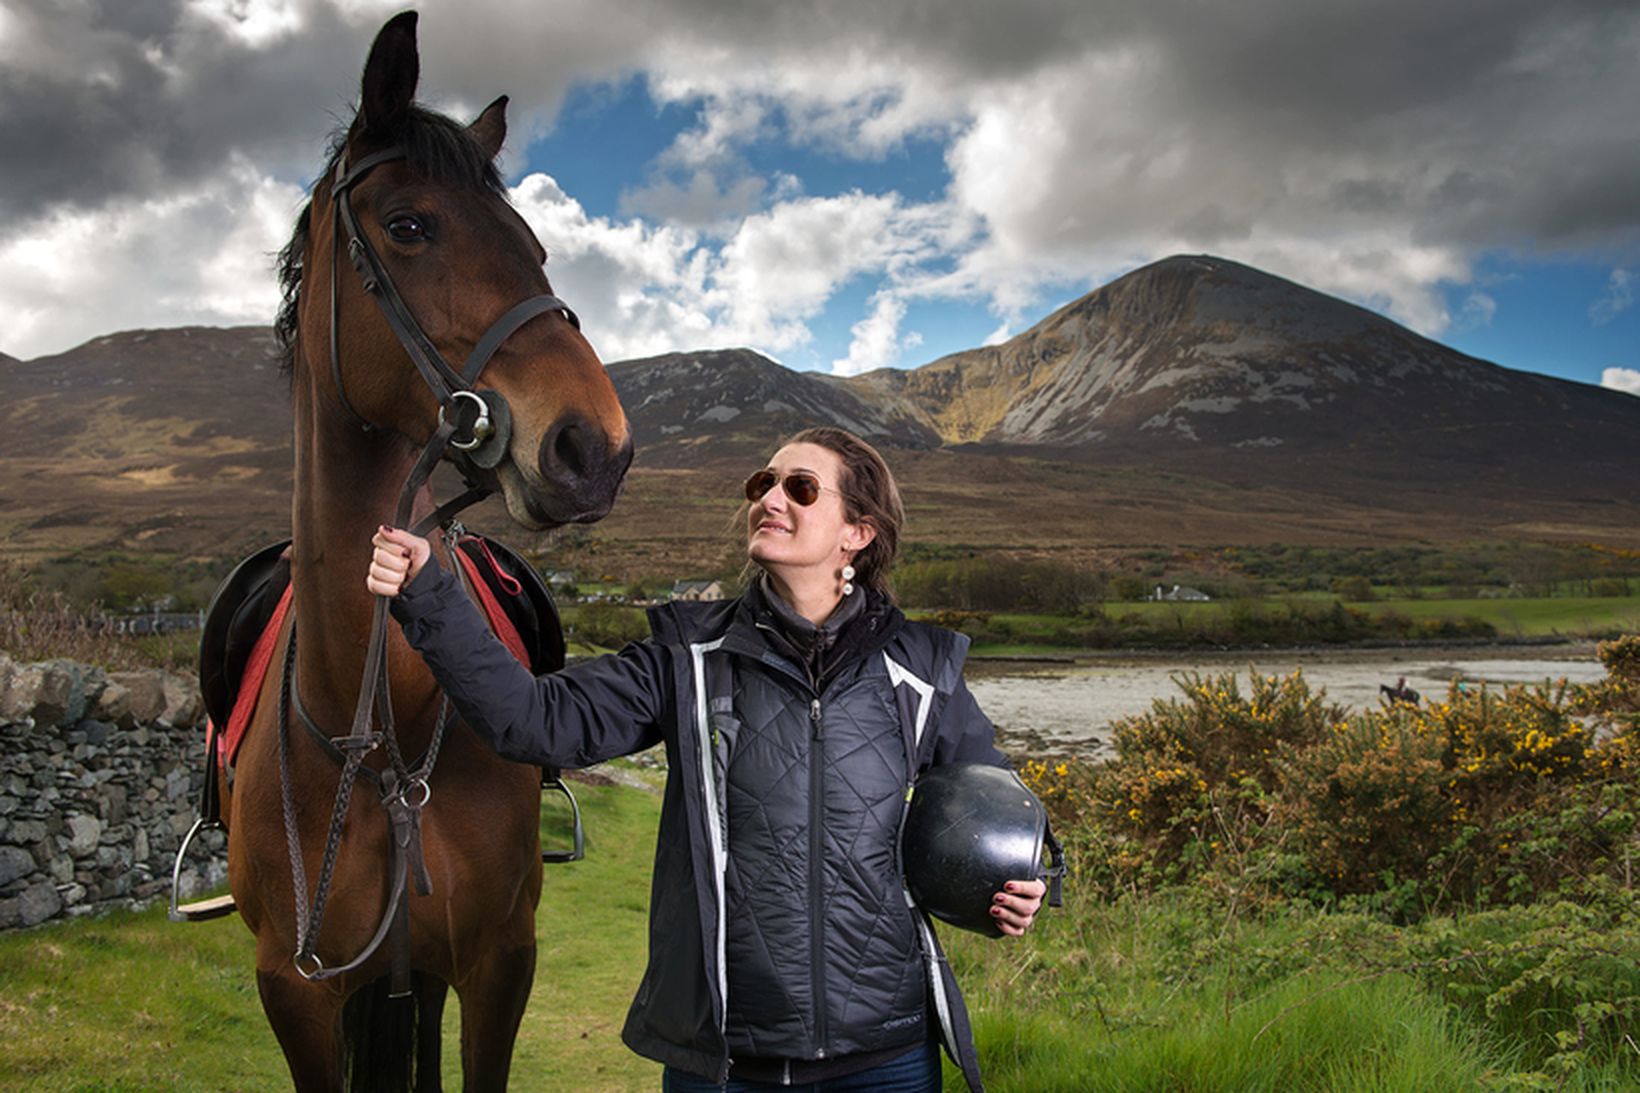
point(970, 829)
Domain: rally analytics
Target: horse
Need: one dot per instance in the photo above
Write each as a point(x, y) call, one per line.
point(1398, 694)
point(447, 270)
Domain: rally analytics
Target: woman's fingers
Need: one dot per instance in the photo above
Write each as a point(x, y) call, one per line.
point(397, 558)
point(1015, 907)
point(389, 565)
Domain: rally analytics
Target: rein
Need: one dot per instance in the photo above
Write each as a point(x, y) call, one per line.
point(476, 424)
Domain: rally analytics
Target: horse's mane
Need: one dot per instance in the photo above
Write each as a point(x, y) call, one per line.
point(437, 148)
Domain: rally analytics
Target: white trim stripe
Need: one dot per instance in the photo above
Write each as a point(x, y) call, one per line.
point(703, 733)
point(898, 674)
point(936, 982)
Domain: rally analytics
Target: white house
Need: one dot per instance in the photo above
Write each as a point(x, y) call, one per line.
point(698, 590)
point(1180, 595)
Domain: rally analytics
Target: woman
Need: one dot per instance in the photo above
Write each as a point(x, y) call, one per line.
point(782, 950)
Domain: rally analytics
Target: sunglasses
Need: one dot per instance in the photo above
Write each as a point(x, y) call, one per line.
point(801, 486)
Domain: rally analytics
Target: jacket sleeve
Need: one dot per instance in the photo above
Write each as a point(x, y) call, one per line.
point(965, 734)
point(591, 711)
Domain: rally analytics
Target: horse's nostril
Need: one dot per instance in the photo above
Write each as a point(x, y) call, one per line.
point(570, 449)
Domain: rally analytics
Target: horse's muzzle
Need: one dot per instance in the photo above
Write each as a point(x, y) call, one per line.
point(580, 471)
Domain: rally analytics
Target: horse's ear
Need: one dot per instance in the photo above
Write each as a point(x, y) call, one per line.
point(390, 77)
point(490, 127)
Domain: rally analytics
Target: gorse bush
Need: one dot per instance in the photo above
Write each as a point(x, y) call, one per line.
point(1483, 798)
point(1492, 835)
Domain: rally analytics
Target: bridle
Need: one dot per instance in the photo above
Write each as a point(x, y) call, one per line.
point(477, 424)
point(482, 420)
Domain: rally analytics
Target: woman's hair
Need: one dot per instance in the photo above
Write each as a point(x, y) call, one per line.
point(869, 497)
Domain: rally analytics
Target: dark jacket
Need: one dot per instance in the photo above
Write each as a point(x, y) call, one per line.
point(779, 925)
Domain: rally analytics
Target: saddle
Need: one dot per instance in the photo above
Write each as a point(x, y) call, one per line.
point(244, 616)
point(242, 626)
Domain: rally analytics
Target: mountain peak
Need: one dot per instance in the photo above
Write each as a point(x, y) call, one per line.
point(1208, 293)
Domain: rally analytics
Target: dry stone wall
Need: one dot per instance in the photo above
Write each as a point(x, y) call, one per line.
point(100, 774)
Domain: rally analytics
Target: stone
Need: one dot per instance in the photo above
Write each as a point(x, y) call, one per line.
point(8, 805)
point(20, 690)
point(95, 732)
point(11, 915)
point(15, 863)
point(145, 694)
point(61, 868)
point(114, 704)
point(37, 904)
point(74, 893)
point(176, 784)
point(139, 845)
point(26, 832)
point(114, 803)
point(61, 698)
point(84, 832)
point(183, 706)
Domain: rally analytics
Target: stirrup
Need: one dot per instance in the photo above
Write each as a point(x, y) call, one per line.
point(579, 850)
point(199, 910)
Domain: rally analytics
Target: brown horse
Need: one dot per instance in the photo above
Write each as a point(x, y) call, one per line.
point(445, 249)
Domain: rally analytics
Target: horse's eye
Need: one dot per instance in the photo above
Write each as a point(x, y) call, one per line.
point(406, 229)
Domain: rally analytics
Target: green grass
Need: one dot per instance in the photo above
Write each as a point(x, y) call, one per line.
point(1168, 993)
point(1162, 993)
point(1512, 617)
point(134, 1002)
point(1530, 618)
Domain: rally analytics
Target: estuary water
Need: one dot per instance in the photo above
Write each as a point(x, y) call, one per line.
point(1066, 708)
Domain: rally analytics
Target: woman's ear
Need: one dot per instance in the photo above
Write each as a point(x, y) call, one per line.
point(856, 537)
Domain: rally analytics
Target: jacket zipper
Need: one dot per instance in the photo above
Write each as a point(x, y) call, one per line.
point(817, 964)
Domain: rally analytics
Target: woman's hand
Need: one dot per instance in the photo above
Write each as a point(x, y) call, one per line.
point(397, 559)
point(1015, 907)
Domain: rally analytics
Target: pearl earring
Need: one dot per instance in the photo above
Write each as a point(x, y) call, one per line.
point(848, 580)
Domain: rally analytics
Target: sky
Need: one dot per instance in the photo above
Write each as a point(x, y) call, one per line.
point(852, 184)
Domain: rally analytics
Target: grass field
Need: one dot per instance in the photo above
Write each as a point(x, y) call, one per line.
point(132, 1002)
point(1560, 615)
point(1158, 993)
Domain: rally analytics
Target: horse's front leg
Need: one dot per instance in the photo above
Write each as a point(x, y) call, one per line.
point(430, 994)
point(307, 1020)
point(493, 997)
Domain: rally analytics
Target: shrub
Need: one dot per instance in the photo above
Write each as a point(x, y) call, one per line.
point(609, 625)
point(1486, 798)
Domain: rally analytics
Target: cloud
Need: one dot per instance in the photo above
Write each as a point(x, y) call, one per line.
point(877, 342)
point(1477, 311)
point(1616, 298)
point(643, 290)
point(1626, 380)
point(1371, 150)
point(202, 255)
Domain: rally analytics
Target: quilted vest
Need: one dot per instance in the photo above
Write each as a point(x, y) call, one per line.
point(821, 951)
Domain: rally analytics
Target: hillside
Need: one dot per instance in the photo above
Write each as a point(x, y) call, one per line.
point(1195, 401)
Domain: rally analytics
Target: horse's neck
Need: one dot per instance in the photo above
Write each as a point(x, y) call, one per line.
point(346, 485)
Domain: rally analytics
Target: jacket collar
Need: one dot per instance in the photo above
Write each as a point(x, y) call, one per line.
point(758, 630)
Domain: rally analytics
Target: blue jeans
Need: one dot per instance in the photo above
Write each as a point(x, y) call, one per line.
point(917, 1071)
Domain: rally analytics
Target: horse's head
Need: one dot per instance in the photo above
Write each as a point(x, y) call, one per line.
point(443, 249)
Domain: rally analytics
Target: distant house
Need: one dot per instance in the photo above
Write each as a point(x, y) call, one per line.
point(1180, 594)
point(698, 590)
point(558, 578)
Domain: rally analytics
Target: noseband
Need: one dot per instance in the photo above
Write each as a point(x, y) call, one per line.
point(477, 424)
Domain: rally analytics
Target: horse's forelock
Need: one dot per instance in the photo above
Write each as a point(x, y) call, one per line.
point(436, 148)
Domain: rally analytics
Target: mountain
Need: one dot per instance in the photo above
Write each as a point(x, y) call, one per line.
point(737, 392)
point(147, 439)
point(1198, 356)
point(1195, 401)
